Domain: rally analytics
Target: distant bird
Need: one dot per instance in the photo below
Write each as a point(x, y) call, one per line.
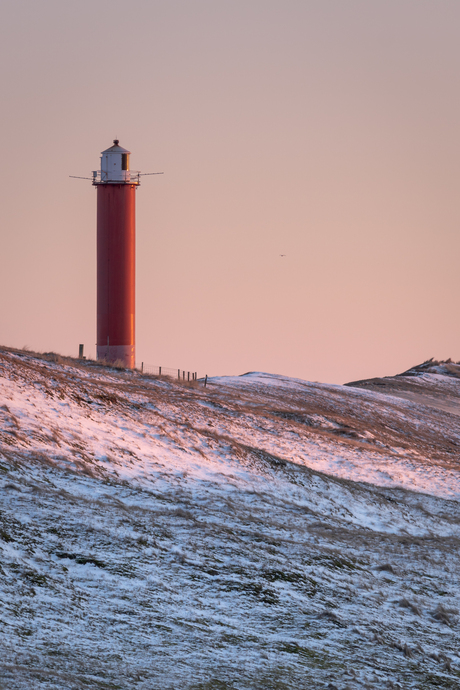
point(282, 254)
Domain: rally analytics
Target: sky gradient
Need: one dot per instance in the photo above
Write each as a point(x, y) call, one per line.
point(324, 130)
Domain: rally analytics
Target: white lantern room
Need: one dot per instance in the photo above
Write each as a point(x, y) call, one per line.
point(115, 164)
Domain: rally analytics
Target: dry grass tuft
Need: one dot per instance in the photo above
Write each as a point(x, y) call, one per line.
point(387, 568)
point(453, 369)
point(409, 605)
point(444, 615)
point(53, 357)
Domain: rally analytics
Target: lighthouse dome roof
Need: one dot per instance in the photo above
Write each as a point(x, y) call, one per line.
point(116, 148)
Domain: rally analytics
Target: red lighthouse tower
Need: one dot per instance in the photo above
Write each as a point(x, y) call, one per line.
point(116, 187)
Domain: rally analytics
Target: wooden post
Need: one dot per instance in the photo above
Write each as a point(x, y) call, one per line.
point(205, 380)
point(188, 376)
point(80, 351)
point(159, 368)
point(178, 374)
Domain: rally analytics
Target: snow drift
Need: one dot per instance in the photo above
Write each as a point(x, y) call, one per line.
point(262, 532)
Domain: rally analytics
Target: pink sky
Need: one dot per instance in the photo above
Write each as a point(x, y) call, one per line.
point(325, 130)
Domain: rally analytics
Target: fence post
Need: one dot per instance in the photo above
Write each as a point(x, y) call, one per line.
point(178, 374)
point(80, 351)
point(142, 367)
point(188, 376)
point(205, 380)
point(159, 368)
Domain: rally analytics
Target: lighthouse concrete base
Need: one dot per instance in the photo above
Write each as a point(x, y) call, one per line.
point(117, 354)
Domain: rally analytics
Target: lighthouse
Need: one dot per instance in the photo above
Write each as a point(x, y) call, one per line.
point(116, 240)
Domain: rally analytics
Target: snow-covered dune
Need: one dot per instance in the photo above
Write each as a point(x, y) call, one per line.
point(262, 532)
